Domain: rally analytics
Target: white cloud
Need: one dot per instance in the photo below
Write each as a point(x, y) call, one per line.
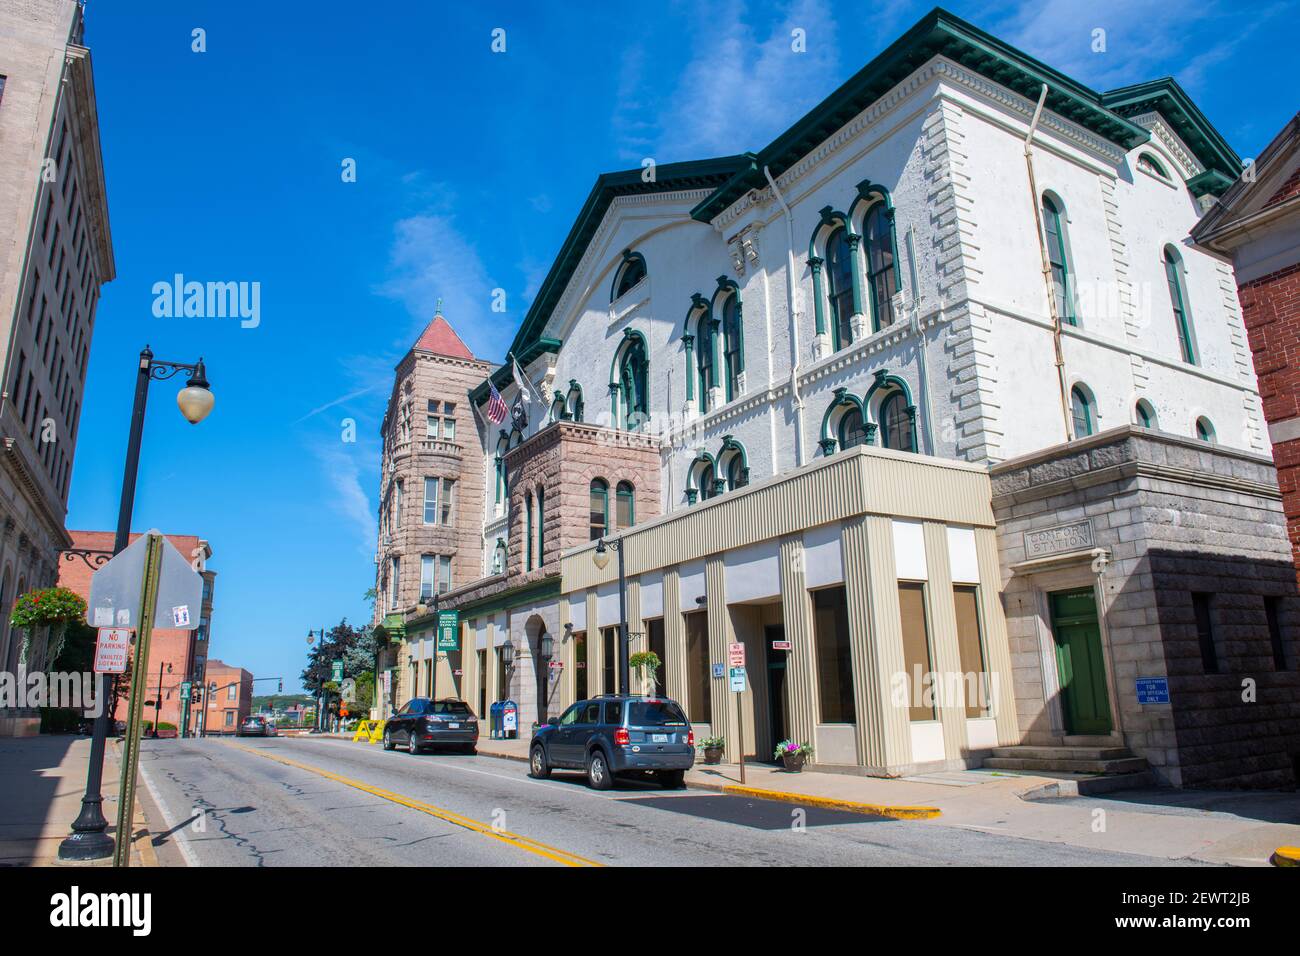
point(339, 465)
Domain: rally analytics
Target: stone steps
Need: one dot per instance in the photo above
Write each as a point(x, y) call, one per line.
point(1091, 760)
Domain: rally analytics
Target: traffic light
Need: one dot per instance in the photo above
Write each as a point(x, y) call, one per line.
point(281, 688)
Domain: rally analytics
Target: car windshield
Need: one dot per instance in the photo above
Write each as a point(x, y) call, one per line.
point(655, 713)
point(453, 708)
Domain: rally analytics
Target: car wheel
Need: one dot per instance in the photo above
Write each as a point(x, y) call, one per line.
point(538, 768)
point(469, 749)
point(388, 740)
point(412, 745)
point(598, 774)
point(672, 779)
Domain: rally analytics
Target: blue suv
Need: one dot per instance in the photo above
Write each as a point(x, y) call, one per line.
point(616, 735)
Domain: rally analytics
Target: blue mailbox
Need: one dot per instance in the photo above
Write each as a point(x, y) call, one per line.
point(503, 719)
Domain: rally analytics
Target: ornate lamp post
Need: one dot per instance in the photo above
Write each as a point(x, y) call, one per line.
point(89, 839)
point(601, 558)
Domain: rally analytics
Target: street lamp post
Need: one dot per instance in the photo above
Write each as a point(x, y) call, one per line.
point(89, 839)
point(601, 558)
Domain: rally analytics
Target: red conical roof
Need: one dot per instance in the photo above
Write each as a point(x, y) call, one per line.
point(439, 337)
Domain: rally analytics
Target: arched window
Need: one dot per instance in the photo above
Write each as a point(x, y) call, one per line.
point(731, 355)
point(708, 482)
point(1081, 409)
point(528, 531)
point(882, 280)
point(1146, 415)
point(737, 473)
point(704, 360)
point(630, 273)
point(896, 423)
point(625, 505)
point(852, 429)
point(1152, 165)
point(1178, 299)
point(1054, 227)
point(499, 558)
point(839, 276)
point(574, 401)
point(1205, 430)
point(599, 509)
point(635, 386)
point(700, 480)
point(541, 525)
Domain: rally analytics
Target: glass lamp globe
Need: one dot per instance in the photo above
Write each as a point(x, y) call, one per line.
point(600, 556)
point(195, 403)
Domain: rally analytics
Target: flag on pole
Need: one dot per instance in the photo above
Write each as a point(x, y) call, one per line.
point(496, 406)
point(525, 392)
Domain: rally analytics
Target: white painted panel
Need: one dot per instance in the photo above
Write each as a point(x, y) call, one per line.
point(836, 744)
point(823, 559)
point(652, 594)
point(981, 733)
point(427, 652)
point(578, 611)
point(961, 555)
point(909, 551)
point(753, 572)
point(927, 741)
point(607, 604)
point(480, 634)
point(501, 634)
point(692, 585)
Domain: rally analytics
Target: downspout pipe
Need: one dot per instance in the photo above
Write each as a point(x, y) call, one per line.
point(795, 397)
point(1047, 265)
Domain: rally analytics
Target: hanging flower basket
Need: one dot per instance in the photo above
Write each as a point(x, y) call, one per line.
point(54, 608)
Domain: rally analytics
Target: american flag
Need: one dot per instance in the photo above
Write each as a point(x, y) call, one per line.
point(496, 406)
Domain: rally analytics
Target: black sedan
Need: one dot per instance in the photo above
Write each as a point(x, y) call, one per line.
point(255, 726)
point(424, 722)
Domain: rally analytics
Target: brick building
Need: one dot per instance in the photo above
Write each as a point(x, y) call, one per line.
point(1256, 224)
point(225, 710)
point(182, 655)
point(56, 252)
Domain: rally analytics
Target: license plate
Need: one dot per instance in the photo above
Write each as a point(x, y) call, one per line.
point(659, 738)
point(454, 726)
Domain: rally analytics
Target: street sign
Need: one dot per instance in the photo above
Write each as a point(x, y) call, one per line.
point(737, 677)
point(336, 671)
point(115, 591)
point(736, 655)
point(112, 649)
point(1152, 690)
point(780, 645)
point(449, 630)
point(719, 670)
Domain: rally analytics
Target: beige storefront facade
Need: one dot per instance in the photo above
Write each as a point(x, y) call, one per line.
point(861, 585)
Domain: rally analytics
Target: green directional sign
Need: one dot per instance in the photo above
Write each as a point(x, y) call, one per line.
point(449, 630)
point(336, 672)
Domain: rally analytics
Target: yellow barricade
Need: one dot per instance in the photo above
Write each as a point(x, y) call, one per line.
point(371, 731)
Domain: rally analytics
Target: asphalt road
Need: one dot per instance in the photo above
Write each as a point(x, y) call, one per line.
point(307, 802)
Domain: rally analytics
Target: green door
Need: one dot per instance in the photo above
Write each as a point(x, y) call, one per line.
point(1079, 664)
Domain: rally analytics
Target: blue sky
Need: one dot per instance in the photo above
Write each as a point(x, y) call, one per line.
point(225, 166)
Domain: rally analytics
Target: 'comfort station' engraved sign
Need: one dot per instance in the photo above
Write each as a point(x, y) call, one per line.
point(1076, 536)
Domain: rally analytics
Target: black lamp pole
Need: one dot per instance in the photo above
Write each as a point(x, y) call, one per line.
point(624, 668)
point(89, 839)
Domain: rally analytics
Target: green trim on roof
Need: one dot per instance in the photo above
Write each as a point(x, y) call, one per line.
point(1166, 97)
point(503, 376)
point(939, 33)
point(1211, 181)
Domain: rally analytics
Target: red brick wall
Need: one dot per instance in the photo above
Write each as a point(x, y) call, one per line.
point(1271, 308)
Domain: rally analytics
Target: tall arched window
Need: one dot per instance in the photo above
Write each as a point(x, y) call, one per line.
point(839, 277)
point(852, 430)
point(882, 280)
point(896, 423)
point(634, 379)
point(1082, 412)
point(1054, 227)
point(599, 509)
point(737, 473)
point(528, 531)
point(704, 360)
point(541, 525)
point(731, 355)
point(1205, 430)
point(630, 273)
point(708, 482)
point(625, 505)
point(1178, 299)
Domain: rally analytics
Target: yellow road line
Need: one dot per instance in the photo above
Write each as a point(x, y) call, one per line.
point(505, 836)
point(883, 810)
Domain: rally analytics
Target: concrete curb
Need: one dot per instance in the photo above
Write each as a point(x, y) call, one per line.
point(828, 803)
point(1286, 856)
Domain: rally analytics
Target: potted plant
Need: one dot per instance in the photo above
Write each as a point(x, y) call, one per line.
point(713, 749)
point(793, 755)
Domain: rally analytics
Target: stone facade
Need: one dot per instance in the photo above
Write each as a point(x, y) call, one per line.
point(1146, 520)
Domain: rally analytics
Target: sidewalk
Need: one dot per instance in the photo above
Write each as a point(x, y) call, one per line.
point(1225, 827)
point(42, 781)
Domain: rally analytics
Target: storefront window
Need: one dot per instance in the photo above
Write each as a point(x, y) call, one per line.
point(916, 646)
point(699, 701)
point(609, 665)
point(580, 665)
point(834, 661)
point(970, 644)
point(655, 644)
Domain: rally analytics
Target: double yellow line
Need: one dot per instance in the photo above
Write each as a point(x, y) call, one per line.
point(516, 840)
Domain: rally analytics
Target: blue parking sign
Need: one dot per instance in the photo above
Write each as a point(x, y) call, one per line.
point(1152, 690)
